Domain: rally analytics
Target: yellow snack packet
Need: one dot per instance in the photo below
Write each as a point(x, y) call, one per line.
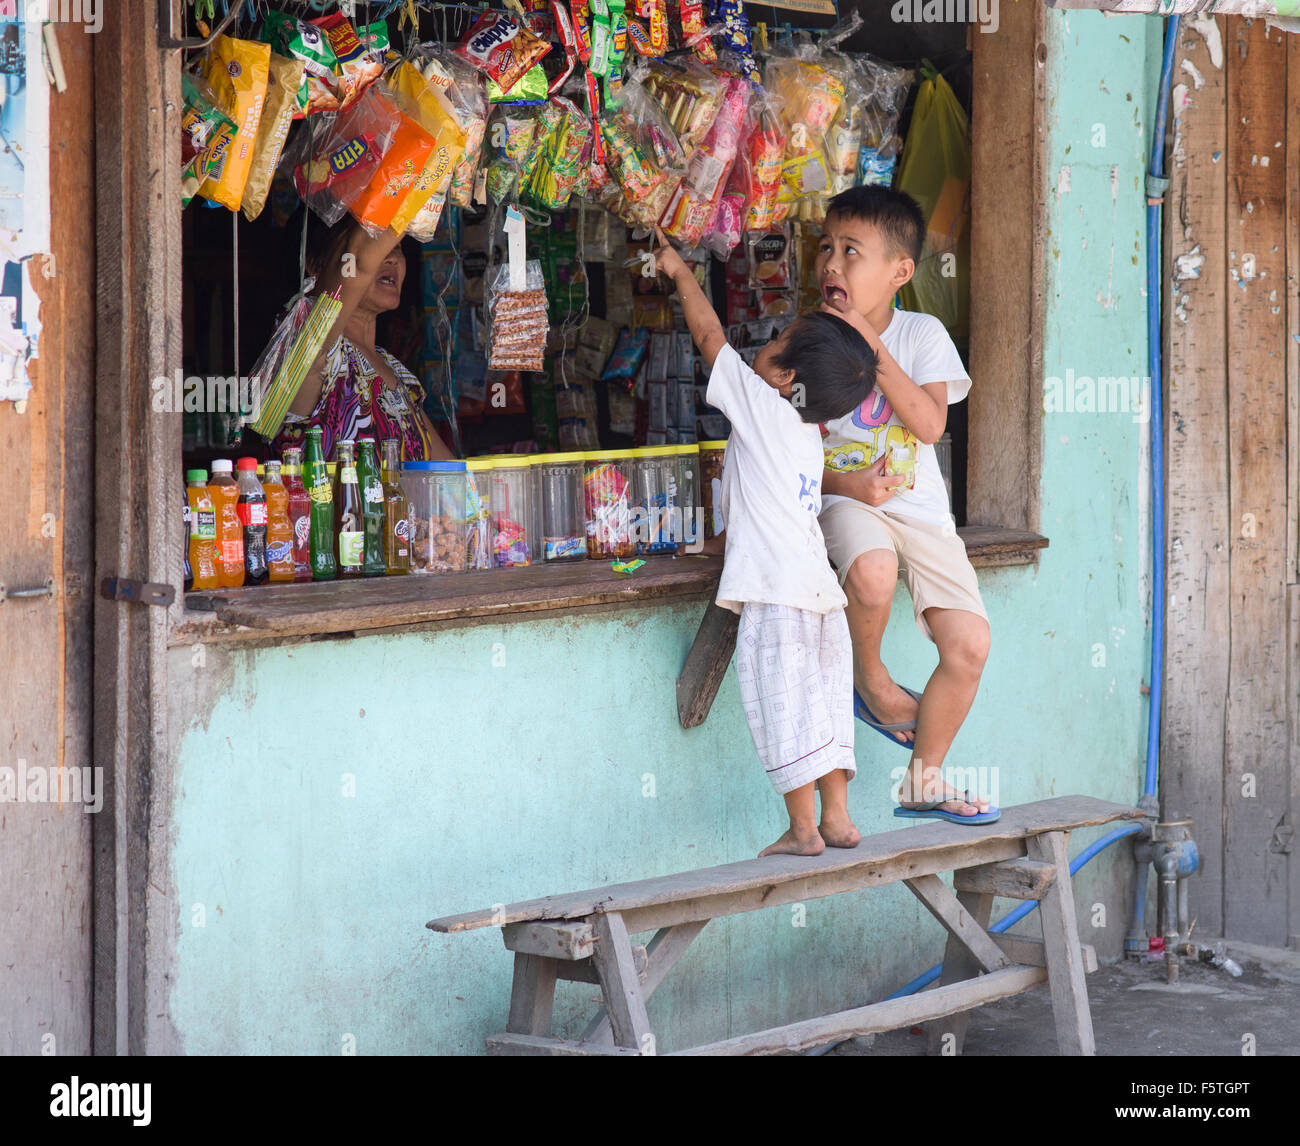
point(277, 117)
point(420, 101)
point(238, 71)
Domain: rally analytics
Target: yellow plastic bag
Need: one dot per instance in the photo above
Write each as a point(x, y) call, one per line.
point(238, 71)
point(935, 171)
point(421, 102)
point(277, 117)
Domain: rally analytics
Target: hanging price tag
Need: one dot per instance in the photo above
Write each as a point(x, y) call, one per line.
point(515, 252)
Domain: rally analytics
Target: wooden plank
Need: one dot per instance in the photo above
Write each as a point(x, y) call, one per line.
point(1196, 491)
point(886, 1016)
point(1005, 421)
point(706, 664)
point(959, 964)
point(510, 1045)
point(532, 995)
point(1061, 945)
point(665, 949)
point(1292, 232)
point(926, 846)
point(553, 940)
point(1293, 691)
point(1032, 953)
point(961, 925)
point(624, 1001)
point(1257, 783)
point(1012, 879)
point(584, 970)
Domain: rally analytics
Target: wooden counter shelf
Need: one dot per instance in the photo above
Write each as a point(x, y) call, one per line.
point(268, 612)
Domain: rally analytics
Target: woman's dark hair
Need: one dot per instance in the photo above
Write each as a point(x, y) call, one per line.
point(895, 214)
point(325, 243)
point(834, 366)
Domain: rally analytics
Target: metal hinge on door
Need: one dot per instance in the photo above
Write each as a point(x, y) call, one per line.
point(139, 592)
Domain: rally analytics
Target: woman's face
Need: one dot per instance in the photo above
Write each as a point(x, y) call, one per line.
point(385, 292)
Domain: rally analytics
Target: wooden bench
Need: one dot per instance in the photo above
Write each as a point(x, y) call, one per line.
point(585, 935)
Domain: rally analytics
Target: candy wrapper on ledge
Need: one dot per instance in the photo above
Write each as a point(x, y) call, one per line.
point(519, 324)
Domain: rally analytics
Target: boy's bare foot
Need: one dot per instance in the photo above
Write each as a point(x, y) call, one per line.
point(931, 788)
point(792, 845)
point(838, 830)
point(891, 705)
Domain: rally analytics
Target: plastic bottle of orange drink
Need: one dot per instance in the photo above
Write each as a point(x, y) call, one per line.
point(203, 530)
point(279, 533)
point(224, 491)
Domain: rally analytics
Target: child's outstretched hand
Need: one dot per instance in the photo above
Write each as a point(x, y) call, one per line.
point(871, 485)
point(667, 261)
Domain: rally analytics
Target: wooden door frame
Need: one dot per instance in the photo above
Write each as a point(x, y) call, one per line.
point(138, 274)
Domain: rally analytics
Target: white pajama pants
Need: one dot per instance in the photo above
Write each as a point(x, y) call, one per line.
point(796, 683)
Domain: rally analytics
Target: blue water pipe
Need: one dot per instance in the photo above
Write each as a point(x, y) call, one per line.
point(1156, 184)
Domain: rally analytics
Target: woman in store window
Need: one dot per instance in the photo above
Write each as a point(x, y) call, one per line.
point(355, 388)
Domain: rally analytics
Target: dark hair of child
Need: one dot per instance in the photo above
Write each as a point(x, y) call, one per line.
point(895, 214)
point(834, 366)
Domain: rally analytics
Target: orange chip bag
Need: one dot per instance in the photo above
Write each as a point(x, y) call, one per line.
point(238, 71)
point(399, 168)
point(419, 101)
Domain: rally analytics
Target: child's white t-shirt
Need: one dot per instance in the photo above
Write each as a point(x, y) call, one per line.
point(771, 495)
point(922, 348)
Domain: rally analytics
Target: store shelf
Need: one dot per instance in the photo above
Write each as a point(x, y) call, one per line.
point(268, 612)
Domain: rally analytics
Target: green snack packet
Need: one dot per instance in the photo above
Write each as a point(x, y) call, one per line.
point(529, 90)
point(300, 40)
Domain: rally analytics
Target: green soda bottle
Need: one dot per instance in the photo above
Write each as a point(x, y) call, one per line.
point(321, 491)
point(372, 507)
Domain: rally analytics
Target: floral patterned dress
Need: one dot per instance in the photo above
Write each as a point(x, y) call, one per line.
point(355, 402)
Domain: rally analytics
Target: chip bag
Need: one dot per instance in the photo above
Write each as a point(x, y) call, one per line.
point(560, 160)
point(300, 40)
point(200, 122)
point(237, 71)
point(502, 48)
point(278, 111)
point(422, 103)
point(358, 64)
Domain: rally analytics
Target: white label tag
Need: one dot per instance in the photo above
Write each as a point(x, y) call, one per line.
point(516, 256)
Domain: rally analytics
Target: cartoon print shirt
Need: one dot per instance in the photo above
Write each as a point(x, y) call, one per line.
point(771, 496)
point(922, 348)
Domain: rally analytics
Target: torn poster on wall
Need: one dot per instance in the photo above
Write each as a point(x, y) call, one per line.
point(24, 193)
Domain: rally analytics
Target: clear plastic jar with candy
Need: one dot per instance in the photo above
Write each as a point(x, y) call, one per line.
point(608, 494)
point(657, 512)
point(510, 486)
point(562, 507)
point(689, 495)
point(478, 514)
point(711, 458)
point(435, 492)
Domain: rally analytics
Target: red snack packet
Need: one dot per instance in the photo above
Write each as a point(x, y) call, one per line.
point(358, 69)
point(503, 49)
point(581, 14)
point(593, 110)
point(693, 30)
point(568, 41)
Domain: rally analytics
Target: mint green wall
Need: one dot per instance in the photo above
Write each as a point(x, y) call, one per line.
point(494, 763)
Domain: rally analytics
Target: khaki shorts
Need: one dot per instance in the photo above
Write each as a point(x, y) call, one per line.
point(931, 558)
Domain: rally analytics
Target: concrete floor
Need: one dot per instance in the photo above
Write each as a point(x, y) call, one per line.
point(1135, 1012)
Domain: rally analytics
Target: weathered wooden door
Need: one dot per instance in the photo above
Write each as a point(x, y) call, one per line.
point(49, 783)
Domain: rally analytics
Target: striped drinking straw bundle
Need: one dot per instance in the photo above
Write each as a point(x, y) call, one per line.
point(296, 361)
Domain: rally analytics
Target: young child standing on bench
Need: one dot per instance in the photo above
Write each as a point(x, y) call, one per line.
point(793, 654)
point(877, 523)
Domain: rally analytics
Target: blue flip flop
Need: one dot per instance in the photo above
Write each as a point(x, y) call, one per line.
point(931, 810)
point(864, 714)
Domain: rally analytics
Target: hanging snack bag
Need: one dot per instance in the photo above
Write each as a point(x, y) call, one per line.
point(200, 122)
point(691, 96)
point(628, 352)
point(237, 70)
point(300, 40)
point(282, 90)
point(581, 19)
point(531, 90)
point(419, 100)
point(762, 170)
point(460, 89)
point(736, 33)
point(693, 31)
point(502, 48)
point(517, 340)
point(560, 160)
point(694, 205)
point(358, 64)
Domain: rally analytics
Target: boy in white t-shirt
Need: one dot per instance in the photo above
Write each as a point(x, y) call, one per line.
point(877, 524)
point(793, 656)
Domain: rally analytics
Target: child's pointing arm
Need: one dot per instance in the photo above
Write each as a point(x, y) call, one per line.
point(706, 330)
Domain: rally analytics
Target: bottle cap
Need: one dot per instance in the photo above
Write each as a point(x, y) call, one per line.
point(248, 464)
point(221, 466)
point(197, 475)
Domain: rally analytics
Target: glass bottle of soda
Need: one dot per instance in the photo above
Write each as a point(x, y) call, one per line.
point(252, 516)
point(279, 533)
point(372, 507)
point(203, 530)
point(320, 533)
point(299, 513)
point(397, 515)
point(349, 524)
point(230, 532)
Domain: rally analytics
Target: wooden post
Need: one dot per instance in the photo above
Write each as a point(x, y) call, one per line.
point(1065, 971)
point(532, 996)
point(959, 964)
point(706, 664)
point(619, 983)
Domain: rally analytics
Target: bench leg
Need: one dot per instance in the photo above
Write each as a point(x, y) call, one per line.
point(532, 995)
point(620, 984)
point(1065, 970)
point(959, 964)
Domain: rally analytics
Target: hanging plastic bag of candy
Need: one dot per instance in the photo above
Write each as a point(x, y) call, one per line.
point(332, 158)
point(238, 72)
point(886, 87)
point(936, 173)
point(461, 89)
point(358, 63)
point(643, 154)
point(694, 33)
point(560, 160)
point(811, 95)
point(300, 40)
point(421, 210)
point(761, 161)
point(690, 95)
point(200, 122)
